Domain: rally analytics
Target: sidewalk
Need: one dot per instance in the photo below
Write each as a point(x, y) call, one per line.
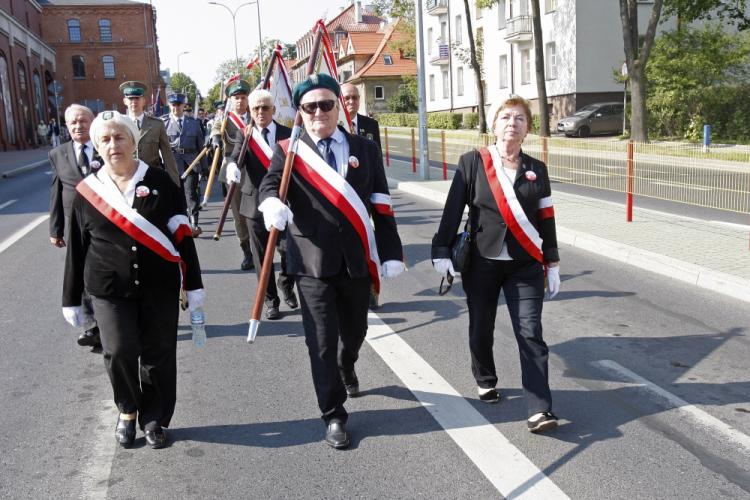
point(710, 255)
point(16, 162)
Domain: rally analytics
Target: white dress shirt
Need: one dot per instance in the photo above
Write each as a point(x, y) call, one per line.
point(340, 148)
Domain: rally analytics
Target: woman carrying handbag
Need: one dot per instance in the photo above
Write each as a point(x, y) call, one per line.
point(513, 245)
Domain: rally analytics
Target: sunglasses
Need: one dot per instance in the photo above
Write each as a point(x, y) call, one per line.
point(264, 107)
point(448, 280)
point(325, 106)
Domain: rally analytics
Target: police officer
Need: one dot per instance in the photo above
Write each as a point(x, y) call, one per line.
point(153, 146)
point(186, 138)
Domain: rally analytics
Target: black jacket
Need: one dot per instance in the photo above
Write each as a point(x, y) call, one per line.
point(109, 263)
point(65, 176)
point(487, 223)
point(321, 237)
point(368, 127)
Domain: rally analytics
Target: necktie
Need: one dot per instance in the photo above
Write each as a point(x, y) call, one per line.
point(179, 125)
point(264, 133)
point(83, 160)
point(328, 152)
point(138, 123)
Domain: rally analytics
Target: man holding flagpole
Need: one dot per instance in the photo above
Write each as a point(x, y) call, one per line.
point(333, 251)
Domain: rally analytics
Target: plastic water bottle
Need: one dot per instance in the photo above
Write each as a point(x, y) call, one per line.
point(198, 324)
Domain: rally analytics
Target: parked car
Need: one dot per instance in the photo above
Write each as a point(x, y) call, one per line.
point(598, 118)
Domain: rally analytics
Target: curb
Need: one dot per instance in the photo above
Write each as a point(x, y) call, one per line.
point(702, 277)
point(25, 168)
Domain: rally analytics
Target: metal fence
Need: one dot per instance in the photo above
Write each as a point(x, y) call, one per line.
point(684, 173)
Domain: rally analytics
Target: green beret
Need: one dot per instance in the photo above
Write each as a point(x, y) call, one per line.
point(133, 88)
point(315, 81)
point(237, 87)
point(219, 104)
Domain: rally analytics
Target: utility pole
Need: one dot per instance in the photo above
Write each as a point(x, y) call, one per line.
point(424, 155)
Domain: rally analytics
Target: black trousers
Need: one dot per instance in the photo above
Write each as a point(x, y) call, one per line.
point(191, 186)
point(144, 328)
point(333, 309)
point(523, 286)
point(258, 242)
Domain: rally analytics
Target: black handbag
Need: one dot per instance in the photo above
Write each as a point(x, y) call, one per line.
point(461, 246)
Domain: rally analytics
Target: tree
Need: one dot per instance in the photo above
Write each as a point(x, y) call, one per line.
point(404, 10)
point(182, 83)
point(405, 100)
point(541, 83)
point(213, 95)
point(477, 71)
point(686, 11)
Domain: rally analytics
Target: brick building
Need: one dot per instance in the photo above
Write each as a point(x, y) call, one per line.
point(100, 44)
point(27, 66)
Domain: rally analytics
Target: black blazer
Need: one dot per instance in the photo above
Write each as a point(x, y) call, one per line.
point(109, 263)
point(254, 173)
point(65, 176)
point(368, 127)
point(487, 222)
point(320, 239)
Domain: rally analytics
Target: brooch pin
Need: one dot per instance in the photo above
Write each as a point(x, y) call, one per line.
point(142, 191)
point(353, 161)
point(531, 176)
point(95, 165)
point(155, 192)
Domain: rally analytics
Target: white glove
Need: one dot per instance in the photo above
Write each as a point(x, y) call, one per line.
point(74, 316)
point(553, 281)
point(275, 214)
point(233, 173)
point(392, 268)
point(196, 298)
point(443, 266)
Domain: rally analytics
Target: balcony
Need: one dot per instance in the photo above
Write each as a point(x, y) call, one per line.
point(442, 57)
point(518, 29)
point(437, 7)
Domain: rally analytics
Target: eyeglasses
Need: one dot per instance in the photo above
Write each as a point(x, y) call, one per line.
point(264, 107)
point(449, 283)
point(325, 106)
point(351, 98)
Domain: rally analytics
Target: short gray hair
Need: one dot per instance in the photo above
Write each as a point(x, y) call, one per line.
point(113, 117)
point(77, 107)
point(259, 94)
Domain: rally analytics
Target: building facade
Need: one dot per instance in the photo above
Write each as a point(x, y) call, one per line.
point(100, 44)
point(27, 67)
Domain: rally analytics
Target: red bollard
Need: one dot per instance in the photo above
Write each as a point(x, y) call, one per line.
point(629, 188)
point(413, 153)
point(387, 154)
point(445, 163)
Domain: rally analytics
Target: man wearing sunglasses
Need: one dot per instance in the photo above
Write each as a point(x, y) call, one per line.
point(255, 163)
point(333, 251)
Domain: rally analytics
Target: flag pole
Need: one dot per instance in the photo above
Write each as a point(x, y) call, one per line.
point(260, 291)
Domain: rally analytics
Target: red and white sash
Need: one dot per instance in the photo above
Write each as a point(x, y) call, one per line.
point(235, 118)
point(260, 149)
point(314, 169)
point(507, 202)
point(136, 226)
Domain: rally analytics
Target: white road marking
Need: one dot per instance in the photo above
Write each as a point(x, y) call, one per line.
point(680, 186)
point(7, 204)
point(699, 416)
point(504, 465)
point(102, 454)
point(733, 225)
point(586, 172)
point(22, 232)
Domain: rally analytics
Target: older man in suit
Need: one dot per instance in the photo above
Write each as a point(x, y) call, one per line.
point(334, 251)
point(153, 146)
point(70, 163)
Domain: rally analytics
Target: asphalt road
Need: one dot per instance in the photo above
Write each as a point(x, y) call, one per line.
point(649, 378)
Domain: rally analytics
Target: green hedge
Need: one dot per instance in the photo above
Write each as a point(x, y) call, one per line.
point(398, 120)
point(443, 120)
point(470, 120)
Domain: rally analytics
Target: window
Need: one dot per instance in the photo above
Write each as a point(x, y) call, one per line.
point(22, 82)
point(429, 41)
point(432, 87)
point(79, 68)
point(459, 30)
point(551, 61)
point(10, 126)
point(525, 66)
point(550, 5)
point(501, 14)
point(108, 62)
point(379, 93)
point(446, 84)
point(105, 30)
point(387, 60)
point(74, 30)
point(444, 32)
point(460, 81)
point(503, 72)
point(38, 97)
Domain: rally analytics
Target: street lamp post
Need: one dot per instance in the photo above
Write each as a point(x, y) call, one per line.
point(234, 27)
point(178, 59)
point(260, 39)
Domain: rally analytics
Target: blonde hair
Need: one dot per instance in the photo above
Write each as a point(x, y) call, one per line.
point(512, 100)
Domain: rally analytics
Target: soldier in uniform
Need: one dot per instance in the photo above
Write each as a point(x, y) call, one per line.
point(153, 146)
point(237, 93)
point(186, 138)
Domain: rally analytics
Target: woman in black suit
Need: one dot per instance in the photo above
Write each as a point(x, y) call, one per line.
point(131, 249)
point(514, 244)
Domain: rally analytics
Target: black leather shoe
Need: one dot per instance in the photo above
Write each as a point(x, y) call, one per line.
point(373, 302)
point(247, 263)
point(336, 435)
point(125, 432)
point(156, 438)
point(351, 383)
point(272, 312)
point(90, 338)
point(291, 300)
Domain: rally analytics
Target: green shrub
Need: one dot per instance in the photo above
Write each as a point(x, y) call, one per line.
point(444, 120)
point(398, 119)
point(470, 120)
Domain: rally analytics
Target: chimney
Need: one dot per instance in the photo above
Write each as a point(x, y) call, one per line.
point(358, 11)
